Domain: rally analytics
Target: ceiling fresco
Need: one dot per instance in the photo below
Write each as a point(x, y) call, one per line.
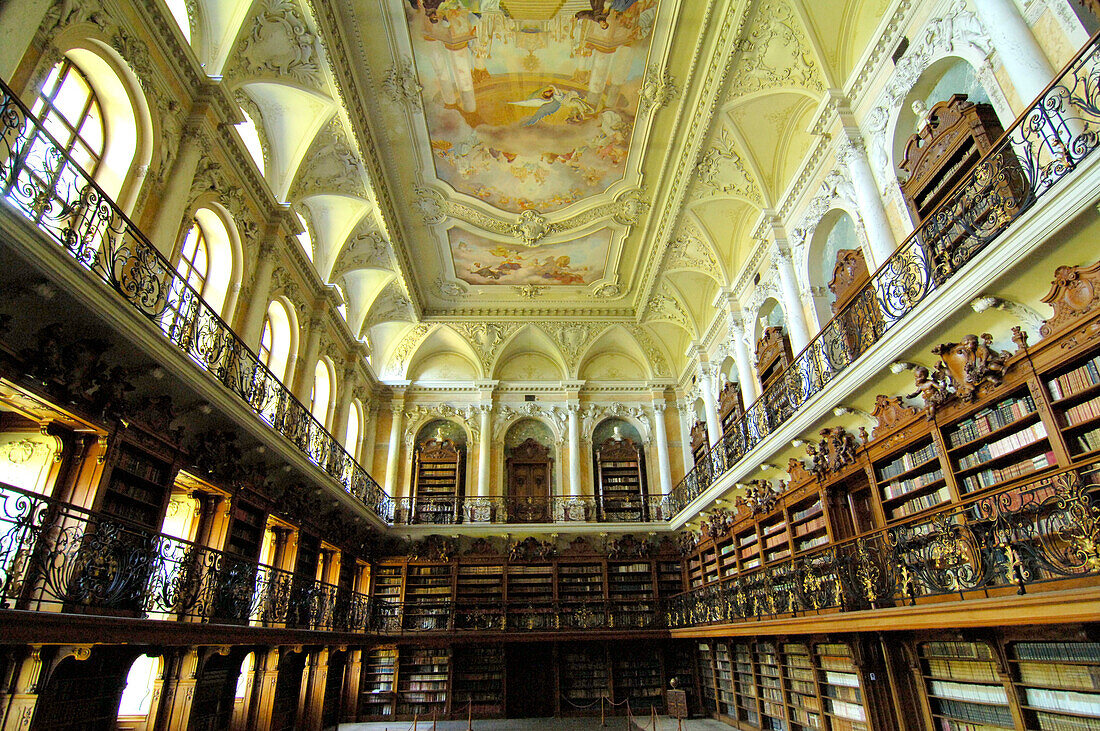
point(480, 261)
point(530, 104)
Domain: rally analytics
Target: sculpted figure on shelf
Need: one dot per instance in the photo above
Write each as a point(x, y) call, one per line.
point(820, 457)
point(970, 364)
point(844, 447)
point(932, 387)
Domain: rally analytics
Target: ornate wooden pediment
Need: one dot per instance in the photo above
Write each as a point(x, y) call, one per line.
point(730, 399)
point(951, 125)
point(530, 450)
point(760, 497)
point(1074, 293)
point(438, 450)
point(619, 449)
point(798, 472)
point(432, 548)
point(579, 546)
point(628, 547)
point(698, 434)
point(717, 523)
point(771, 345)
point(836, 450)
point(531, 549)
point(482, 547)
point(890, 413)
point(849, 276)
point(970, 364)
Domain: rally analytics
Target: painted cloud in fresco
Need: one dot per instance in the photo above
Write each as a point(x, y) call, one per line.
point(480, 261)
point(530, 104)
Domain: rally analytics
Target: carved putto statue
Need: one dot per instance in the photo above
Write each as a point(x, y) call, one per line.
point(970, 364)
point(932, 387)
point(760, 496)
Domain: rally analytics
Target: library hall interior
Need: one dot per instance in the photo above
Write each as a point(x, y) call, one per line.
point(657, 365)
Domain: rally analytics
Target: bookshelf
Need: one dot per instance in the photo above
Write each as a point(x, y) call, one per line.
point(1074, 391)
point(731, 405)
point(744, 684)
point(670, 577)
point(748, 548)
point(584, 679)
point(530, 583)
point(803, 705)
point(246, 531)
point(478, 682)
point(479, 584)
point(630, 582)
point(775, 537)
point(707, 687)
point(1057, 684)
point(709, 558)
point(619, 467)
point(437, 476)
point(962, 687)
point(423, 678)
point(911, 480)
point(138, 487)
point(727, 557)
point(376, 690)
point(723, 677)
point(999, 443)
point(841, 692)
point(807, 523)
point(428, 597)
point(638, 676)
point(769, 687)
point(580, 582)
point(695, 570)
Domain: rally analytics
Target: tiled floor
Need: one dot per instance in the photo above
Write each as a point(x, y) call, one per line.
point(615, 723)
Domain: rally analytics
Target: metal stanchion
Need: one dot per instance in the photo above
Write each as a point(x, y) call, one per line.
point(603, 716)
point(470, 717)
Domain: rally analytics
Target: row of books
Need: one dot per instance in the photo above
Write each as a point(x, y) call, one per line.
point(907, 461)
point(814, 509)
point(809, 526)
point(985, 478)
point(629, 568)
point(990, 419)
point(986, 716)
point(1058, 651)
point(1089, 441)
point(968, 691)
point(137, 464)
point(921, 503)
point(1005, 445)
point(776, 540)
point(1083, 412)
point(1055, 675)
point(904, 487)
point(812, 543)
point(1076, 380)
point(618, 464)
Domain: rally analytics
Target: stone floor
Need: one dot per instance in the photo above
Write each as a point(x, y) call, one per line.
point(615, 723)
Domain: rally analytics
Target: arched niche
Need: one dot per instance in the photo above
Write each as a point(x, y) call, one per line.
point(529, 471)
point(837, 232)
point(618, 456)
point(439, 479)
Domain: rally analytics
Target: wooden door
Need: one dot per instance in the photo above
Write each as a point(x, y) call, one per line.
point(528, 497)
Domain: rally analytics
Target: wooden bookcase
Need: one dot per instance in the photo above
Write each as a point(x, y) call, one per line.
point(705, 673)
point(138, 482)
point(246, 530)
point(1057, 684)
point(799, 682)
point(620, 472)
point(428, 592)
point(423, 682)
point(699, 443)
point(961, 685)
point(731, 405)
point(584, 678)
point(637, 674)
point(438, 478)
point(841, 687)
point(773, 355)
point(479, 689)
point(376, 683)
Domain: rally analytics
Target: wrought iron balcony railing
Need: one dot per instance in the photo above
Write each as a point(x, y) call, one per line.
point(56, 557)
point(1042, 147)
point(38, 179)
point(1047, 530)
point(450, 510)
point(447, 615)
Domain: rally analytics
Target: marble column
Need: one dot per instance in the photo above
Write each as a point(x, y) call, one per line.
point(303, 381)
point(661, 438)
point(686, 416)
point(393, 449)
point(746, 373)
point(853, 155)
point(344, 394)
point(485, 416)
point(573, 412)
point(710, 400)
point(261, 296)
point(1028, 67)
point(176, 195)
point(792, 302)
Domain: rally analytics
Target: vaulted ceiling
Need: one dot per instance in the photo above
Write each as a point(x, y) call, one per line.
point(534, 189)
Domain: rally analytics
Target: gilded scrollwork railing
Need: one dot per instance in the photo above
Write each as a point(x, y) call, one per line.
point(56, 557)
point(455, 510)
point(41, 182)
point(1045, 531)
point(447, 615)
point(1042, 147)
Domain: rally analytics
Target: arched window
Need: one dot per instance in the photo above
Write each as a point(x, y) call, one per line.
point(320, 398)
point(137, 696)
point(276, 342)
point(70, 110)
point(355, 425)
point(250, 136)
point(194, 261)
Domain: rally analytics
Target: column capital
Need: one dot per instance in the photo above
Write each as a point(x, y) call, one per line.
point(659, 407)
point(483, 408)
point(573, 409)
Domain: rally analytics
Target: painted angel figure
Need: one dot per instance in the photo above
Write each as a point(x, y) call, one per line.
point(601, 9)
point(548, 101)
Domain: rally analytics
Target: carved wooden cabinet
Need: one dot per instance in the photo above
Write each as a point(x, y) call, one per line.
point(528, 491)
point(858, 322)
point(773, 355)
point(699, 442)
point(621, 481)
point(730, 405)
point(438, 481)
